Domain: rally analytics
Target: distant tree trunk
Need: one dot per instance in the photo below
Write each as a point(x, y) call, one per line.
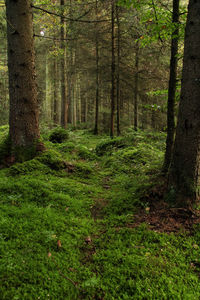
point(23, 120)
point(55, 92)
point(172, 88)
point(112, 68)
point(136, 87)
point(96, 129)
point(78, 97)
point(63, 68)
point(184, 175)
point(118, 70)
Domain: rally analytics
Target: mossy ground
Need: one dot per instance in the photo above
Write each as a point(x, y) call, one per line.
point(67, 225)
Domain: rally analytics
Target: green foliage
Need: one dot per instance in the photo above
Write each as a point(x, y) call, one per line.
point(58, 135)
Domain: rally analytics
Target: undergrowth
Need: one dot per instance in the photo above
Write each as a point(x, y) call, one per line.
point(54, 242)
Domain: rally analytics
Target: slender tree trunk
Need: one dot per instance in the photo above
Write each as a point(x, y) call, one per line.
point(96, 129)
point(118, 70)
point(74, 101)
point(136, 87)
point(112, 68)
point(78, 96)
point(172, 88)
point(55, 92)
point(184, 175)
point(24, 114)
point(63, 68)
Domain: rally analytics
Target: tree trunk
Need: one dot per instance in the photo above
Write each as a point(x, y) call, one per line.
point(64, 107)
point(23, 119)
point(112, 68)
point(96, 129)
point(55, 92)
point(136, 88)
point(118, 70)
point(172, 88)
point(184, 176)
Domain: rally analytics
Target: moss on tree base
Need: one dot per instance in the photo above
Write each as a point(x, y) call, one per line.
point(10, 154)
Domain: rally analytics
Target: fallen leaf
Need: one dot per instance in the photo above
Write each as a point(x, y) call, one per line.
point(59, 244)
point(195, 246)
point(88, 239)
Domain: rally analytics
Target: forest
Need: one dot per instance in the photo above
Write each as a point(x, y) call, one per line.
point(99, 149)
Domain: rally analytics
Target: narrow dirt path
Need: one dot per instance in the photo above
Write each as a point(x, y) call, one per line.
point(97, 213)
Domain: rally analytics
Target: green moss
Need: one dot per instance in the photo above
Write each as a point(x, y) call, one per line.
point(52, 159)
point(21, 153)
point(58, 135)
point(28, 167)
point(5, 147)
point(83, 169)
point(106, 146)
point(10, 154)
point(84, 153)
point(41, 204)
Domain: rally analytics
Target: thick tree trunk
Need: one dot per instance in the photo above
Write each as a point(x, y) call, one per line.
point(112, 68)
point(23, 120)
point(118, 70)
point(96, 127)
point(184, 175)
point(172, 88)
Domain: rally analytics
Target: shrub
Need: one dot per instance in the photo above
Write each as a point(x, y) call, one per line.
point(58, 135)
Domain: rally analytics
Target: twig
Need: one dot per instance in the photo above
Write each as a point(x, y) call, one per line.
point(68, 19)
point(52, 38)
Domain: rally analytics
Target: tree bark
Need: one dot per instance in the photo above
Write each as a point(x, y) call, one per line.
point(23, 119)
point(64, 106)
point(118, 70)
point(112, 68)
point(172, 88)
point(96, 128)
point(136, 87)
point(55, 92)
point(184, 176)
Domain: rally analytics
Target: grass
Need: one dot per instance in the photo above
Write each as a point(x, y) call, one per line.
point(57, 243)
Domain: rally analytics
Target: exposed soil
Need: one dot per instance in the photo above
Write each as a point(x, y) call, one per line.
point(97, 209)
point(168, 219)
point(161, 217)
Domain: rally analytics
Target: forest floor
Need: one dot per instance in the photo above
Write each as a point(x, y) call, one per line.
point(87, 220)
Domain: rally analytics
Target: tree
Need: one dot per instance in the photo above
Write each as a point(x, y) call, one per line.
point(63, 69)
point(23, 119)
point(172, 87)
point(184, 176)
point(96, 128)
point(112, 68)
